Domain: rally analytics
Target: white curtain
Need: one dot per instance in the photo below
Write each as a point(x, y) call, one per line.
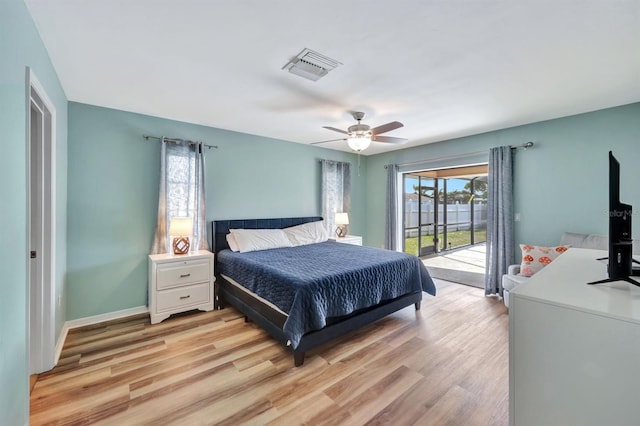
point(391, 214)
point(500, 247)
point(336, 191)
point(182, 193)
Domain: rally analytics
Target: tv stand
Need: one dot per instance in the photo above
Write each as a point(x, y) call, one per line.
point(635, 272)
point(612, 280)
point(633, 260)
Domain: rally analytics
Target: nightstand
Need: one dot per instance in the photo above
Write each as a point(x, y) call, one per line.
point(179, 283)
point(356, 240)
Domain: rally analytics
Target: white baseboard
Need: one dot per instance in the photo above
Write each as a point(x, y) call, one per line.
point(81, 322)
point(60, 343)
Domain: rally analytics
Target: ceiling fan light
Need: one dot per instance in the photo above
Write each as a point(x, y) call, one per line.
point(359, 142)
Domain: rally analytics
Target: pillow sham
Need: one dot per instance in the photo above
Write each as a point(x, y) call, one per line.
point(534, 258)
point(307, 233)
point(231, 240)
point(260, 239)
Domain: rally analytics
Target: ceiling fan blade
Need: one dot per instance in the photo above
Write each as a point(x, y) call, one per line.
point(386, 127)
point(330, 140)
point(335, 130)
point(388, 139)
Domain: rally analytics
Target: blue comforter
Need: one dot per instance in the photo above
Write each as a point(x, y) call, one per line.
point(317, 281)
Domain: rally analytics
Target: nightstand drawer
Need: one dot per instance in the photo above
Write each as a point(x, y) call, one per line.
point(184, 272)
point(173, 298)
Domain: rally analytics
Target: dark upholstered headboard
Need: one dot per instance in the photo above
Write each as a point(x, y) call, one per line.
point(220, 228)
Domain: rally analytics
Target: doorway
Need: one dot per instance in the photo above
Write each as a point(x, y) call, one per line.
point(41, 219)
point(444, 209)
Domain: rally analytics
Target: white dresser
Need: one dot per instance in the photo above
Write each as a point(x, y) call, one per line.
point(348, 239)
point(179, 283)
point(574, 349)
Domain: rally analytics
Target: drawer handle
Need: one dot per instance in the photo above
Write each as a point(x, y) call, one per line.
point(185, 297)
point(185, 275)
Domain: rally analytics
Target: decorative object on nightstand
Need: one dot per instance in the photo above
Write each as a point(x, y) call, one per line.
point(179, 283)
point(181, 228)
point(356, 240)
point(342, 220)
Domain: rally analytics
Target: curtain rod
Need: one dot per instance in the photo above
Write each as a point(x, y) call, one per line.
point(524, 146)
point(334, 161)
point(177, 140)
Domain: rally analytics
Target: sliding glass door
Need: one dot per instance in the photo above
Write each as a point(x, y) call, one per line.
point(444, 210)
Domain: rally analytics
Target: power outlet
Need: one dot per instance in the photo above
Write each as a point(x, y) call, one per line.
point(59, 300)
point(516, 217)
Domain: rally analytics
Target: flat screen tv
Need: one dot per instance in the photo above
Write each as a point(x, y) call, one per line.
point(620, 260)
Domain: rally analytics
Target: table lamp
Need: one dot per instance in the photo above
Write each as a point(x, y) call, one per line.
point(342, 220)
point(181, 228)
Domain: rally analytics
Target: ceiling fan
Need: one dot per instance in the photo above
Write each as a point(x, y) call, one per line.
point(359, 136)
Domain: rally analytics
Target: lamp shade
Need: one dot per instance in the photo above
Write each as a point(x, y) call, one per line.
point(181, 226)
point(359, 141)
point(342, 219)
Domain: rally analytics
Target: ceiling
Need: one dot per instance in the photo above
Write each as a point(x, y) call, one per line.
point(443, 68)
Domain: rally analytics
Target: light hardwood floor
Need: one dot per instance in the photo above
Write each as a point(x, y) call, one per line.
point(444, 364)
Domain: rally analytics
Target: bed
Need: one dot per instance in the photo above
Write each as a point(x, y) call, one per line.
point(307, 295)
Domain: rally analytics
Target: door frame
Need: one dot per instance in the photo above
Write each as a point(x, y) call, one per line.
point(423, 250)
point(41, 288)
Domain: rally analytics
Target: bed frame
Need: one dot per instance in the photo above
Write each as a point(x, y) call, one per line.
point(272, 320)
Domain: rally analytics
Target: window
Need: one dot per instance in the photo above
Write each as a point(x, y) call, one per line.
point(181, 181)
point(181, 193)
point(444, 209)
point(336, 191)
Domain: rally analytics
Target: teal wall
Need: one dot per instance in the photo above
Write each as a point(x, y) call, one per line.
point(107, 182)
point(561, 184)
point(20, 46)
point(113, 195)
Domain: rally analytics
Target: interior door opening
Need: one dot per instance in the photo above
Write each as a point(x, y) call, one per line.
point(444, 209)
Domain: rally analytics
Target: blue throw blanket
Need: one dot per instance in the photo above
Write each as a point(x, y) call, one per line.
point(317, 281)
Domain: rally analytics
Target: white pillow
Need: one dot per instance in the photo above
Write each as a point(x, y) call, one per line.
point(260, 239)
point(231, 240)
point(598, 242)
point(307, 233)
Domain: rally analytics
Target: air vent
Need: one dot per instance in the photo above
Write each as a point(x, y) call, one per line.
point(311, 65)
